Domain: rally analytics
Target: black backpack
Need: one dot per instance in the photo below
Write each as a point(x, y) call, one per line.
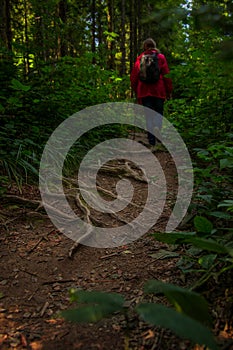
point(149, 68)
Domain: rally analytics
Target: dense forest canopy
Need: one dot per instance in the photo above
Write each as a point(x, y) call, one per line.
point(58, 57)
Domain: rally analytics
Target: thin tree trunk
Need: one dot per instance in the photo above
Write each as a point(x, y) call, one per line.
point(110, 30)
point(93, 30)
point(63, 51)
point(26, 56)
point(100, 37)
point(139, 36)
point(132, 34)
point(123, 46)
point(5, 27)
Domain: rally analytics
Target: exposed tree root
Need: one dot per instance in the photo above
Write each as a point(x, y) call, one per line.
point(77, 203)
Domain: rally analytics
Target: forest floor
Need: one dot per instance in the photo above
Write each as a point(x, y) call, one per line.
point(37, 273)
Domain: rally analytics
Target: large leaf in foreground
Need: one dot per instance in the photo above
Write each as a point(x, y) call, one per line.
point(188, 302)
point(94, 306)
point(202, 243)
point(173, 238)
point(90, 314)
point(182, 325)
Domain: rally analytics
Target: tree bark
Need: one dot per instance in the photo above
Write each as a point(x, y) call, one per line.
point(93, 30)
point(62, 37)
point(123, 46)
point(26, 39)
point(110, 30)
point(5, 27)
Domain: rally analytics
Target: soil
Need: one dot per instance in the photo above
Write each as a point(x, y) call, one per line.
point(37, 273)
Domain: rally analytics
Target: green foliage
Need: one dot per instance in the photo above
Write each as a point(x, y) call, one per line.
point(188, 320)
point(208, 244)
point(213, 173)
point(228, 203)
point(182, 325)
point(34, 108)
point(203, 225)
point(208, 251)
point(4, 181)
point(17, 157)
point(73, 84)
point(202, 76)
point(93, 306)
point(184, 301)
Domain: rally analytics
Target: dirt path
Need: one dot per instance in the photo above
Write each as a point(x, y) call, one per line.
point(36, 275)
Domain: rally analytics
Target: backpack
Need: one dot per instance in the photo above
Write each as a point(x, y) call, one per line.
point(149, 68)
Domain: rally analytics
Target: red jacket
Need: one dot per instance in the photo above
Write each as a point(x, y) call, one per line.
point(161, 89)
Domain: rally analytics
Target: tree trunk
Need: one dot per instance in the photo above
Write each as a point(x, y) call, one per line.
point(100, 18)
point(132, 35)
point(26, 39)
point(139, 27)
point(110, 30)
point(93, 30)
point(123, 46)
point(63, 50)
point(5, 28)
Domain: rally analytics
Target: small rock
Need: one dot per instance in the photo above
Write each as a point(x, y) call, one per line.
point(57, 287)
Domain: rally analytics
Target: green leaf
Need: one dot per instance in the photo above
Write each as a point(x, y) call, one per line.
point(15, 101)
point(228, 203)
point(164, 254)
point(206, 261)
point(180, 324)
point(202, 224)
point(226, 163)
point(184, 300)
point(97, 306)
point(2, 109)
point(221, 215)
point(17, 85)
point(173, 238)
point(91, 313)
point(208, 244)
point(199, 242)
point(93, 297)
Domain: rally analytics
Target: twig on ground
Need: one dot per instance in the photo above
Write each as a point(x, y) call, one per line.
point(37, 243)
point(57, 281)
point(46, 305)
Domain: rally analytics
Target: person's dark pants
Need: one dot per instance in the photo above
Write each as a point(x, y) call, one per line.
point(153, 120)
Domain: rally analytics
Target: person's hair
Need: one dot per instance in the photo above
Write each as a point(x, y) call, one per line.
point(149, 44)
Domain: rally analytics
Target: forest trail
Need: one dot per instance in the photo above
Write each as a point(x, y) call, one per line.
point(37, 273)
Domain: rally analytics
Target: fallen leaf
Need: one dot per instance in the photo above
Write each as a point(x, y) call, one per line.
point(127, 252)
point(23, 340)
point(148, 334)
point(164, 254)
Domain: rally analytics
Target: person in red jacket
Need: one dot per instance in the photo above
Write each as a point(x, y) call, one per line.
point(152, 95)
